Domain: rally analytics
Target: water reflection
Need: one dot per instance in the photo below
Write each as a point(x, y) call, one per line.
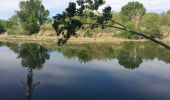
point(130, 58)
point(130, 55)
point(29, 84)
point(76, 71)
point(32, 56)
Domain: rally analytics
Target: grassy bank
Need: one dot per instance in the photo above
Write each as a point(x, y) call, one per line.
point(53, 39)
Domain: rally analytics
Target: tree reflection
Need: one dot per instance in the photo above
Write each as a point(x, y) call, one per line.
point(130, 59)
point(1, 44)
point(32, 56)
point(30, 85)
point(129, 54)
point(83, 56)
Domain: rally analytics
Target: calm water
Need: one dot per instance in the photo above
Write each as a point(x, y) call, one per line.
point(127, 71)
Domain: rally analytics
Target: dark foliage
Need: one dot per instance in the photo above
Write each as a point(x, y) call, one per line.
point(2, 30)
point(67, 23)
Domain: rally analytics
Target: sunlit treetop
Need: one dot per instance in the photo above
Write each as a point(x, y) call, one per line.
point(133, 11)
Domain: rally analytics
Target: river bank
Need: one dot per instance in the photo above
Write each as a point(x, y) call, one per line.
point(53, 39)
point(73, 40)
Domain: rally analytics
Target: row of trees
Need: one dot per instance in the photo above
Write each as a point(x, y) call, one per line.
point(32, 15)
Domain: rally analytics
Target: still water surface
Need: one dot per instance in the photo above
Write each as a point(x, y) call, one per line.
point(126, 71)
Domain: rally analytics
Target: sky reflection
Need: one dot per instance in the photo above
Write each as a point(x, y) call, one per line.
point(67, 78)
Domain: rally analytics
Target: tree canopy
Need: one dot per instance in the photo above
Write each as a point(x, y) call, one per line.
point(133, 11)
point(32, 14)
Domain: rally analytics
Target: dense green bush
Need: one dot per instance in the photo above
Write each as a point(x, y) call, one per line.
point(2, 30)
point(16, 30)
point(128, 35)
point(46, 27)
point(151, 24)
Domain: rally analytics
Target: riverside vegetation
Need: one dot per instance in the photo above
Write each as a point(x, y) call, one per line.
point(38, 69)
point(36, 22)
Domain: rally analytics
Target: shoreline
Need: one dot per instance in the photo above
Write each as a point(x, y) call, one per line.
point(50, 39)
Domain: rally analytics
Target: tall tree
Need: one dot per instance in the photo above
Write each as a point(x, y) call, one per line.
point(133, 11)
point(32, 14)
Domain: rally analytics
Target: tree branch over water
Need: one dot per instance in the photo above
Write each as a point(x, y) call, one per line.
point(67, 23)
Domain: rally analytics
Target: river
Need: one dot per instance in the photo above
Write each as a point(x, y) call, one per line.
point(107, 71)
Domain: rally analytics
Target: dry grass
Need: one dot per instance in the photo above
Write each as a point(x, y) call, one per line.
point(53, 39)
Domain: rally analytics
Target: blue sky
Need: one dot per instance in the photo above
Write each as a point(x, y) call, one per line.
point(7, 7)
